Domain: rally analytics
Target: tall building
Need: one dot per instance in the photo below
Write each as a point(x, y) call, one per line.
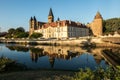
point(96, 26)
point(59, 28)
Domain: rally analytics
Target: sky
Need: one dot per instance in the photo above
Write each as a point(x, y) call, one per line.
point(16, 13)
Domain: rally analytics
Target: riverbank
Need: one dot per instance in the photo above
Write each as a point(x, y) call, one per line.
point(95, 42)
point(99, 74)
point(38, 75)
point(82, 74)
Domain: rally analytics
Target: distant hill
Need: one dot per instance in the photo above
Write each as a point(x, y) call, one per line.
point(111, 25)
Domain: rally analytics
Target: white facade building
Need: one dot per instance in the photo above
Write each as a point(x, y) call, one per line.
point(58, 29)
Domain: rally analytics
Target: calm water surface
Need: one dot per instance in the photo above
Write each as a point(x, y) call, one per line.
point(54, 57)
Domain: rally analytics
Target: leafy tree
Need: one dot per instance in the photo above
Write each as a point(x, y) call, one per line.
point(22, 35)
point(104, 28)
point(8, 35)
point(19, 30)
point(111, 25)
point(36, 35)
point(17, 33)
point(11, 31)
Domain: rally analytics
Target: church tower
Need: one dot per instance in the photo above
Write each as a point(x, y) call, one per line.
point(50, 16)
point(96, 26)
point(32, 24)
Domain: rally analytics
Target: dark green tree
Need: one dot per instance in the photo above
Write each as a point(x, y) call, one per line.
point(22, 35)
point(19, 30)
point(111, 25)
point(36, 35)
point(11, 31)
point(17, 33)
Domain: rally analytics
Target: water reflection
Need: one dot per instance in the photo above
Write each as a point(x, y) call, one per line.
point(17, 48)
point(112, 56)
point(67, 58)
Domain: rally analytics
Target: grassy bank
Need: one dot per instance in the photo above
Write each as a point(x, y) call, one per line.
point(8, 65)
point(98, 74)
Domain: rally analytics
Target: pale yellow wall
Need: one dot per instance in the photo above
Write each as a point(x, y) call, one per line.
point(96, 27)
point(63, 32)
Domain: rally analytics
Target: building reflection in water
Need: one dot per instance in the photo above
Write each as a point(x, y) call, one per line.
point(53, 53)
point(110, 56)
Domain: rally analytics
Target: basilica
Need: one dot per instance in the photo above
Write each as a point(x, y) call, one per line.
point(64, 28)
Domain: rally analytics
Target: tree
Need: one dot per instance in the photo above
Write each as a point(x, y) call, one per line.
point(22, 35)
point(17, 33)
point(11, 31)
point(19, 30)
point(111, 25)
point(36, 35)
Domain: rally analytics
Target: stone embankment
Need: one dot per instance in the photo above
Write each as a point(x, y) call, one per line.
point(96, 42)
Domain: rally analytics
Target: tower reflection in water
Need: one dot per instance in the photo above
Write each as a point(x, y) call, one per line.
point(69, 57)
point(52, 53)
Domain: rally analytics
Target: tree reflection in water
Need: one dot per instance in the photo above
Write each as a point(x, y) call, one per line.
point(67, 53)
point(18, 48)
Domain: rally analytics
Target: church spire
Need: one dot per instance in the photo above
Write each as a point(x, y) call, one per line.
point(34, 18)
point(31, 19)
point(50, 16)
point(98, 16)
point(50, 12)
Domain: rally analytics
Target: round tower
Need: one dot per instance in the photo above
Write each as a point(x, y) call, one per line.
point(98, 20)
point(96, 26)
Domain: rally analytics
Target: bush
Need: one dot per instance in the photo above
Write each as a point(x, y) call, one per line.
point(7, 64)
point(36, 35)
point(99, 74)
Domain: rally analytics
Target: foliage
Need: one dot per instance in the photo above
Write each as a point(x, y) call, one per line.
point(7, 64)
point(19, 30)
point(36, 35)
point(17, 33)
point(4, 62)
point(109, 73)
point(111, 25)
point(11, 31)
point(22, 35)
point(99, 74)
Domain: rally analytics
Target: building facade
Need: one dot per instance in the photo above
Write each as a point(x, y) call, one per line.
point(96, 26)
point(58, 29)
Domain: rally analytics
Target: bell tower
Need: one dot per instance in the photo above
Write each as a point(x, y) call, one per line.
point(50, 16)
point(32, 25)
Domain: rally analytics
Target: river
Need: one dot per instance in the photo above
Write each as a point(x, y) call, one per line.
point(60, 57)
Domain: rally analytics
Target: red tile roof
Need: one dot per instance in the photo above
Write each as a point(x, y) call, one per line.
point(62, 24)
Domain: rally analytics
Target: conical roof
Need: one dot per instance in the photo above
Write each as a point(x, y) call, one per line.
point(58, 19)
point(31, 19)
point(34, 18)
point(50, 12)
point(98, 15)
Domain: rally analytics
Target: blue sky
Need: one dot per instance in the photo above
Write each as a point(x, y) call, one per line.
point(16, 13)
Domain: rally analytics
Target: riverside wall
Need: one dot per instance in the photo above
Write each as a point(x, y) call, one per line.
point(98, 42)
